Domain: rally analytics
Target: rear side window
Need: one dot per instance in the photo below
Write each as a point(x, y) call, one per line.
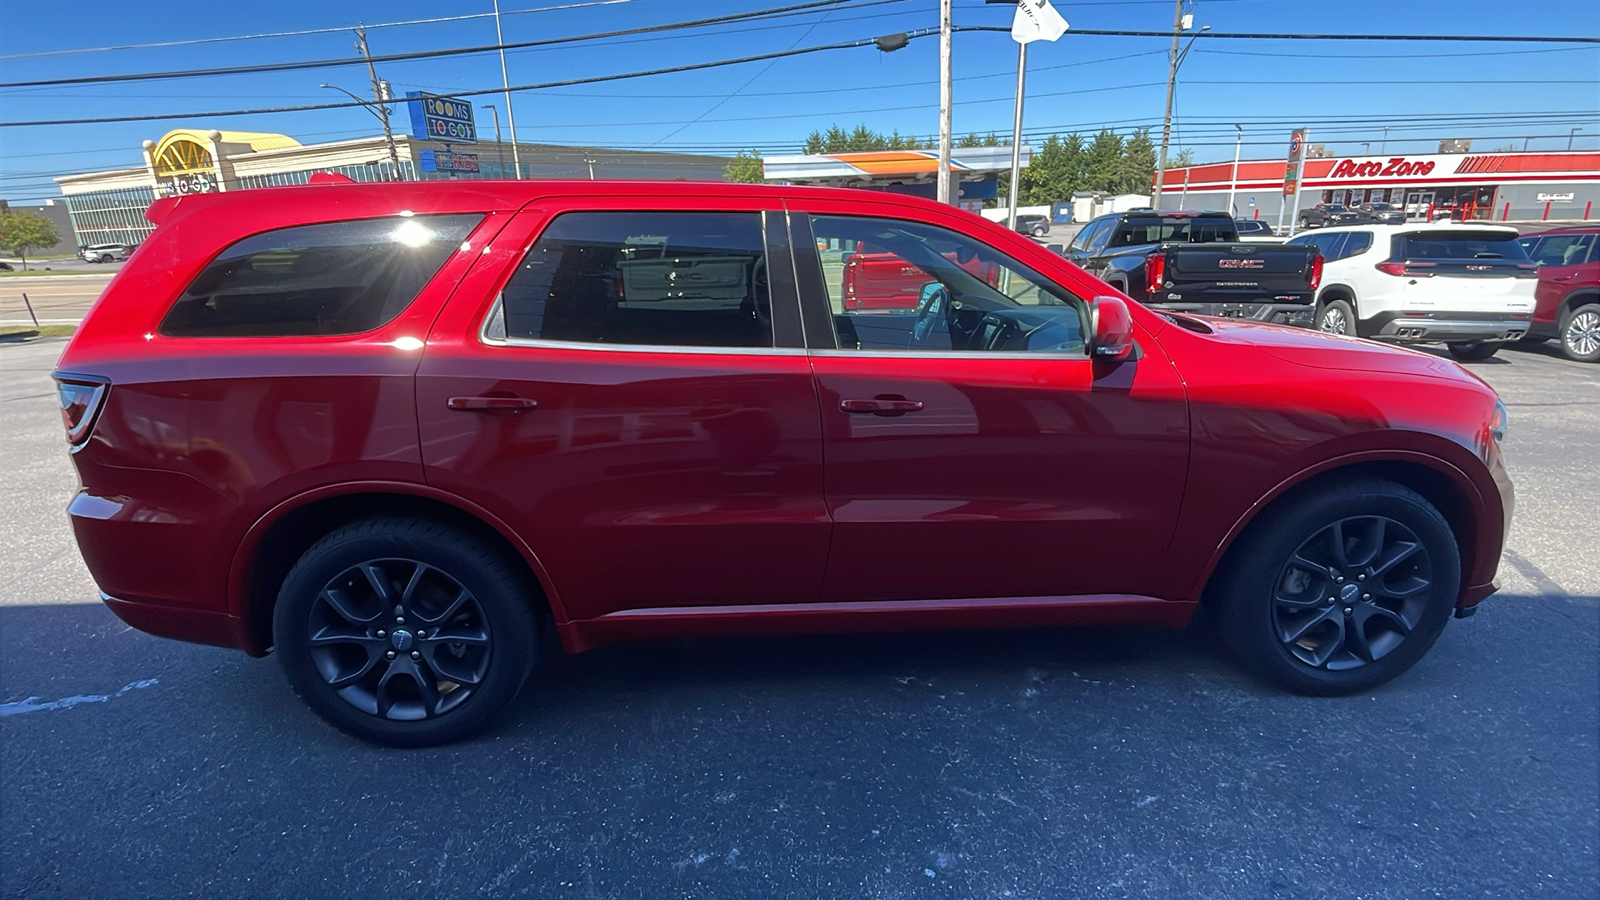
point(1560, 249)
point(326, 279)
point(1459, 244)
point(689, 279)
point(1360, 242)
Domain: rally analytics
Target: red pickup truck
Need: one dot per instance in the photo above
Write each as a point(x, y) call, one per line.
point(874, 279)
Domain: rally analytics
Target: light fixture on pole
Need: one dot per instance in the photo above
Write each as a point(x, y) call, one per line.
point(1233, 182)
point(1384, 147)
point(499, 148)
point(1570, 135)
point(505, 83)
point(1034, 20)
point(1366, 148)
point(381, 112)
point(1180, 23)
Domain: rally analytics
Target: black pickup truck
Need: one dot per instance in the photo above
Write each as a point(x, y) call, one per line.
point(1194, 262)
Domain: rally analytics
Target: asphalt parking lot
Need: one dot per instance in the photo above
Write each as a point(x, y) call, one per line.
point(1049, 763)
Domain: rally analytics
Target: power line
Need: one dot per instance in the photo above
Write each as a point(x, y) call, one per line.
point(431, 54)
point(754, 14)
point(842, 45)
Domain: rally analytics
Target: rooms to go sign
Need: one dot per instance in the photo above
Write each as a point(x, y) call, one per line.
point(446, 119)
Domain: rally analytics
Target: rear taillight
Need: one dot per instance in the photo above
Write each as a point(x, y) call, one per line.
point(81, 399)
point(1155, 271)
point(1316, 271)
point(1406, 268)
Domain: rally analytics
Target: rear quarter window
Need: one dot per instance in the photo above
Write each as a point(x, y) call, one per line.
point(331, 278)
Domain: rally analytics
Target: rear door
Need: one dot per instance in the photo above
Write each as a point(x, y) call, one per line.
point(1465, 270)
point(973, 448)
point(622, 381)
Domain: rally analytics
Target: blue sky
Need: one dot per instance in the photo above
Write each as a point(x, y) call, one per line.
point(1347, 91)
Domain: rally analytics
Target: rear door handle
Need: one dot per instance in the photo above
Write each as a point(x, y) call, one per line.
point(490, 404)
point(881, 406)
point(1560, 277)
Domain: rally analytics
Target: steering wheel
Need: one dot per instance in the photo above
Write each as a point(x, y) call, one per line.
point(930, 314)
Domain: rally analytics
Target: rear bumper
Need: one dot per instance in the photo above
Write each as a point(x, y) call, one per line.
point(1300, 314)
point(1445, 327)
point(196, 626)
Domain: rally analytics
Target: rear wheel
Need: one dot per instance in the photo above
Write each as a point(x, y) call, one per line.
point(1336, 317)
point(404, 632)
point(1580, 333)
point(1473, 351)
point(1040, 232)
point(1340, 590)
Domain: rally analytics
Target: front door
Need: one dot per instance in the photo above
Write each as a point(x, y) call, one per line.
point(623, 383)
point(973, 449)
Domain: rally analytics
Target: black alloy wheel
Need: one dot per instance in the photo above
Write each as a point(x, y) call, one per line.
point(405, 632)
point(1339, 590)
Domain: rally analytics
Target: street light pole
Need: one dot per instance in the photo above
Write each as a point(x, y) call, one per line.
point(505, 83)
point(368, 106)
point(1178, 26)
point(1384, 147)
point(1016, 139)
point(1233, 182)
point(1570, 135)
point(377, 92)
point(942, 189)
point(499, 148)
point(1366, 148)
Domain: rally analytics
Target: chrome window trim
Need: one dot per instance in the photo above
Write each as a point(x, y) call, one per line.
point(956, 354)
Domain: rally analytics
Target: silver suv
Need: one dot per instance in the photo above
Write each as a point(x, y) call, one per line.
point(104, 253)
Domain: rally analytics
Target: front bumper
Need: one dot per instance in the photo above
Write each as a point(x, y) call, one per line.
point(1445, 327)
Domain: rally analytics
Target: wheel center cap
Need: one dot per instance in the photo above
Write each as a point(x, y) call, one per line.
point(1348, 594)
point(401, 640)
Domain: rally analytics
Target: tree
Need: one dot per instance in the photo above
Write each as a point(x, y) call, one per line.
point(22, 231)
point(837, 140)
point(972, 140)
point(745, 168)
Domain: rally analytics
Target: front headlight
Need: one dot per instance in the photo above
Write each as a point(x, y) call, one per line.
point(1502, 421)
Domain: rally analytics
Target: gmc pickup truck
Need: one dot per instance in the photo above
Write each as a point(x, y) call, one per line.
point(1195, 262)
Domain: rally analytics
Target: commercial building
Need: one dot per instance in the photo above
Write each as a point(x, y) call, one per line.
point(977, 171)
point(1499, 187)
point(108, 207)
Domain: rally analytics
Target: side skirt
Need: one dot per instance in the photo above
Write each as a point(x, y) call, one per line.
point(873, 616)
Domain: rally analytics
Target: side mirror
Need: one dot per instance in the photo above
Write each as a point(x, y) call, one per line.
point(1055, 248)
point(1112, 328)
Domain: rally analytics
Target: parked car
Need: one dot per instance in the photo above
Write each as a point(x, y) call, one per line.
point(1383, 214)
point(1568, 298)
point(1325, 214)
point(394, 431)
point(1194, 262)
point(104, 253)
point(5, 266)
point(1470, 287)
point(1038, 226)
point(1255, 230)
point(878, 280)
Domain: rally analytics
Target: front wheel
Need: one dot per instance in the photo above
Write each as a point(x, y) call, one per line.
point(1040, 232)
point(1580, 333)
point(1336, 317)
point(405, 632)
point(1473, 351)
point(1341, 590)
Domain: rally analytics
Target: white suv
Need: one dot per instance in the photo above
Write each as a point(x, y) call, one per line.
point(1468, 286)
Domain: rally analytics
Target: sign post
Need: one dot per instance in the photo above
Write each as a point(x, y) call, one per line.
point(1034, 20)
point(1291, 177)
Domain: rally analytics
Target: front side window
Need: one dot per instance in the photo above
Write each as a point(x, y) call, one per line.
point(906, 286)
point(691, 279)
point(328, 279)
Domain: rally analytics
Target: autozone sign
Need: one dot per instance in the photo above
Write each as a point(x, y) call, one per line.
point(1394, 167)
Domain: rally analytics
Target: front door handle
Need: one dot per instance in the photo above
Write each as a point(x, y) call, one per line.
point(490, 404)
point(881, 406)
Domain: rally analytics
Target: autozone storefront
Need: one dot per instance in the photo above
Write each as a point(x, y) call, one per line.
point(1515, 187)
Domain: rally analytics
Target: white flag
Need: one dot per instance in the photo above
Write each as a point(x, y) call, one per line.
point(1036, 20)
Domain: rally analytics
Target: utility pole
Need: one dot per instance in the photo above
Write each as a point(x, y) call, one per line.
point(505, 83)
point(1166, 121)
point(499, 148)
point(378, 93)
point(1016, 140)
point(943, 190)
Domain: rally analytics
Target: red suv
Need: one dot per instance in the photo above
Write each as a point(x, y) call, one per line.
point(396, 431)
point(1568, 307)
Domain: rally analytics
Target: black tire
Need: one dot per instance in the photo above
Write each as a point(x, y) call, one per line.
point(1336, 317)
point(1278, 615)
point(1473, 351)
point(104, 259)
point(449, 609)
point(1580, 333)
point(1040, 232)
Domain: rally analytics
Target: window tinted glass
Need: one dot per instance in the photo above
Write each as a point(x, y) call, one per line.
point(333, 278)
point(663, 278)
point(1560, 249)
point(1358, 242)
point(1459, 244)
point(1087, 235)
point(1136, 230)
point(909, 286)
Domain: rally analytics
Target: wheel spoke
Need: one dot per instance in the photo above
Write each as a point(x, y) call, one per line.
point(428, 688)
point(1310, 622)
point(411, 586)
point(1394, 619)
point(380, 584)
point(1355, 635)
point(1415, 587)
point(450, 667)
point(462, 596)
point(1398, 553)
point(459, 635)
point(329, 635)
point(344, 681)
point(344, 605)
